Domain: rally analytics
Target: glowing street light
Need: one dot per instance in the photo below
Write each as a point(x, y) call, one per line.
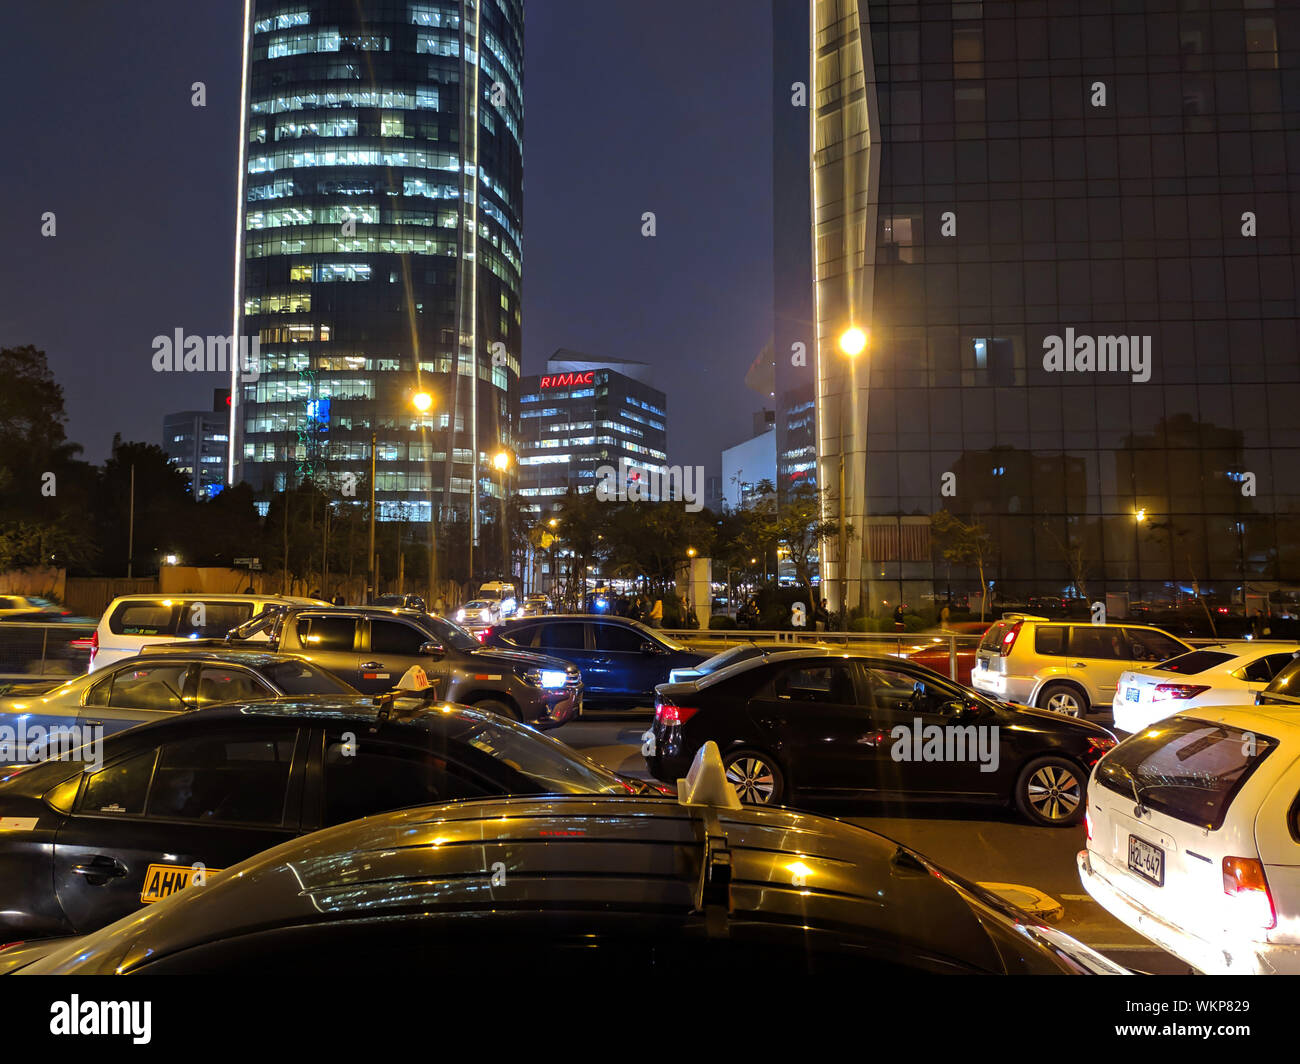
point(422, 401)
point(501, 460)
point(853, 341)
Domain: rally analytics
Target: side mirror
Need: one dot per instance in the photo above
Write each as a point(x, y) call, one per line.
point(960, 710)
point(650, 648)
point(432, 650)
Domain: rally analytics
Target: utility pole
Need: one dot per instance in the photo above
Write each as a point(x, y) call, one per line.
point(370, 555)
point(130, 527)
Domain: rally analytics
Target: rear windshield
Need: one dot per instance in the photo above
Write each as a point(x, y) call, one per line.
point(144, 618)
point(1196, 661)
point(1188, 769)
point(993, 637)
point(303, 678)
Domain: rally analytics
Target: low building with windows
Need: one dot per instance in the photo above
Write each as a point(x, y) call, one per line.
point(196, 442)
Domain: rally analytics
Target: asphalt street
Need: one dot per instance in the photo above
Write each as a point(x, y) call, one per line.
point(988, 846)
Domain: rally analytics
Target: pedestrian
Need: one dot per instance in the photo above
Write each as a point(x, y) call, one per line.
point(822, 617)
point(338, 600)
point(1259, 626)
point(657, 614)
point(899, 612)
point(943, 618)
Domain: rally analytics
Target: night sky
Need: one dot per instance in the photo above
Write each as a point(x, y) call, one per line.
point(660, 106)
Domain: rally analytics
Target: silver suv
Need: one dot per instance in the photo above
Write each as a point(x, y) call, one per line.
point(1061, 666)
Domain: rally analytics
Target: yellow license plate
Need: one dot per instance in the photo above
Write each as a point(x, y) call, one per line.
point(163, 880)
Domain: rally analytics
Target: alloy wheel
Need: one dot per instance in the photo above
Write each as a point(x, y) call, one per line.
point(1065, 702)
point(753, 779)
point(1054, 792)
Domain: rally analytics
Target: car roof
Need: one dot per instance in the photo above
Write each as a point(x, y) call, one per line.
point(1243, 648)
point(219, 596)
point(235, 653)
point(588, 853)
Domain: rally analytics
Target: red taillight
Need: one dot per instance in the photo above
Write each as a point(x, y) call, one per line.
point(94, 645)
point(482, 635)
point(1087, 824)
point(1166, 691)
point(667, 713)
point(1243, 880)
point(1009, 640)
point(6, 945)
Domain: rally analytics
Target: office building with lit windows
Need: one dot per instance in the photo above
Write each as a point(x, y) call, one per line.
point(197, 442)
point(379, 247)
point(584, 413)
point(1069, 234)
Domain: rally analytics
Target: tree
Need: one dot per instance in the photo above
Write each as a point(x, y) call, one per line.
point(801, 523)
point(1074, 555)
point(964, 544)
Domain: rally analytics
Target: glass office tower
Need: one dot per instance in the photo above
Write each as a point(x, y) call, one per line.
point(380, 247)
point(1069, 230)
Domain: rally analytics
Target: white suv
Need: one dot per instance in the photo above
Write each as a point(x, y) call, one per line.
point(1063, 666)
point(135, 621)
point(1193, 832)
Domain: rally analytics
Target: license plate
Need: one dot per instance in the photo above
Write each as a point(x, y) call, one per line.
point(163, 880)
point(1132, 694)
point(1146, 860)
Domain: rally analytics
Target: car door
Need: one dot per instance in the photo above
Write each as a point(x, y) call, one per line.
point(392, 647)
point(141, 823)
point(929, 737)
point(332, 642)
point(567, 640)
point(624, 663)
point(1096, 657)
point(138, 692)
point(818, 724)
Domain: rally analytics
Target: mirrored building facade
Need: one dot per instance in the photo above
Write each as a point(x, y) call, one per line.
point(380, 247)
point(1069, 231)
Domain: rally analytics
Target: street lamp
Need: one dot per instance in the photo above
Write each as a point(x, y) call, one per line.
point(502, 460)
point(423, 403)
point(853, 341)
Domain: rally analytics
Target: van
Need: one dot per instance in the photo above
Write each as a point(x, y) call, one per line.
point(503, 593)
point(135, 621)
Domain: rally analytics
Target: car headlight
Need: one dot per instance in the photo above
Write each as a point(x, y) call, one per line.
point(546, 678)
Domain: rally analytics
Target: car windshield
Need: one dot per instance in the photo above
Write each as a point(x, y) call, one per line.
point(1194, 662)
point(551, 764)
point(479, 604)
point(449, 633)
point(295, 677)
point(729, 657)
point(658, 636)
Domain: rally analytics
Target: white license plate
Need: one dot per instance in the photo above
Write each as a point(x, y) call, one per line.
point(1146, 860)
point(1132, 694)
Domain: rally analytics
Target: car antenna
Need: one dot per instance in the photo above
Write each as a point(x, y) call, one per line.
point(705, 788)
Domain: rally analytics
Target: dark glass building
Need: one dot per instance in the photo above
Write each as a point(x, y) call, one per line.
point(197, 443)
point(1069, 231)
point(582, 414)
point(380, 246)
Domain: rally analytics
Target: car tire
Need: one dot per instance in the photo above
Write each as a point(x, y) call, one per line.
point(755, 775)
point(501, 709)
point(1052, 792)
point(1064, 698)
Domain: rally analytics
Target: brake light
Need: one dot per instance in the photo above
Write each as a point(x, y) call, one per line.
point(1087, 823)
point(94, 645)
point(6, 945)
point(487, 634)
point(482, 635)
point(668, 714)
point(1009, 640)
point(1166, 691)
point(1244, 881)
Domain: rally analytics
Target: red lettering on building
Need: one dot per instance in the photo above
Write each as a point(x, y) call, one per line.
point(568, 380)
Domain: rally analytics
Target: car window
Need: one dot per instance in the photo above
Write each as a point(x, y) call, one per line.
point(614, 637)
point(295, 677)
point(1146, 645)
point(221, 683)
point(144, 618)
point(395, 637)
point(375, 777)
point(119, 788)
point(1187, 768)
point(1277, 662)
point(519, 635)
point(327, 633)
point(893, 689)
point(450, 634)
point(829, 684)
point(1194, 662)
point(564, 635)
point(209, 620)
point(237, 779)
point(1049, 639)
point(146, 687)
point(1098, 641)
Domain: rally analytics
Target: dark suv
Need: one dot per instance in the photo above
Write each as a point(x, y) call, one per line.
point(371, 647)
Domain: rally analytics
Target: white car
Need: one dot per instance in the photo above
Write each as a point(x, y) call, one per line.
point(1194, 838)
point(133, 622)
point(1225, 674)
point(479, 613)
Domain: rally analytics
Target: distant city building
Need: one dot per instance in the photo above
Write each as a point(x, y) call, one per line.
point(584, 413)
point(379, 247)
point(197, 441)
point(746, 465)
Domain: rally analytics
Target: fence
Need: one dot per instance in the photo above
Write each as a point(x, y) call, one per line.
point(31, 653)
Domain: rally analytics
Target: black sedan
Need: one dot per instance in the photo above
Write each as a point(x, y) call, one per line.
point(84, 844)
point(577, 887)
point(812, 725)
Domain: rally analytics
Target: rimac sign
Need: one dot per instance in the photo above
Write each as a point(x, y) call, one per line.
point(568, 380)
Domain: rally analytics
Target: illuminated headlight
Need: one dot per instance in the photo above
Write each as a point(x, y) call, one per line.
point(546, 677)
point(460, 615)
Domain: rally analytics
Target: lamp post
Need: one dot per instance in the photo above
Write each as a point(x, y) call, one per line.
point(853, 341)
point(370, 555)
point(553, 524)
point(423, 402)
point(503, 460)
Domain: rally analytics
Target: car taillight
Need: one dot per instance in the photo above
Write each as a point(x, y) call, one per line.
point(1166, 691)
point(667, 713)
point(94, 645)
point(486, 635)
point(1244, 881)
point(1087, 824)
point(1009, 640)
point(6, 945)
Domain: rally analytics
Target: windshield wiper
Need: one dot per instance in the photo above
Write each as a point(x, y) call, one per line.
point(1140, 809)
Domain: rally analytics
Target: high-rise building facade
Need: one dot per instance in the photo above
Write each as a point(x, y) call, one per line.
point(380, 246)
point(197, 442)
point(1068, 232)
point(583, 414)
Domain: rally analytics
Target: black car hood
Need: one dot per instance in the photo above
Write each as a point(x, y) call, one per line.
point(518, 657)
point(1060, 720)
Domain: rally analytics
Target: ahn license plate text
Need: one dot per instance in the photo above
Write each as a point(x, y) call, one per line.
point(163, 880)
point(1146, 860)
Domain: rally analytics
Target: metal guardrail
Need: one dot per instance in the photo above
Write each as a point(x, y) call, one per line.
point(31, 653)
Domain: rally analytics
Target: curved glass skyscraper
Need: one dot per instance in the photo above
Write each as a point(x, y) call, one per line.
point(380, 246)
